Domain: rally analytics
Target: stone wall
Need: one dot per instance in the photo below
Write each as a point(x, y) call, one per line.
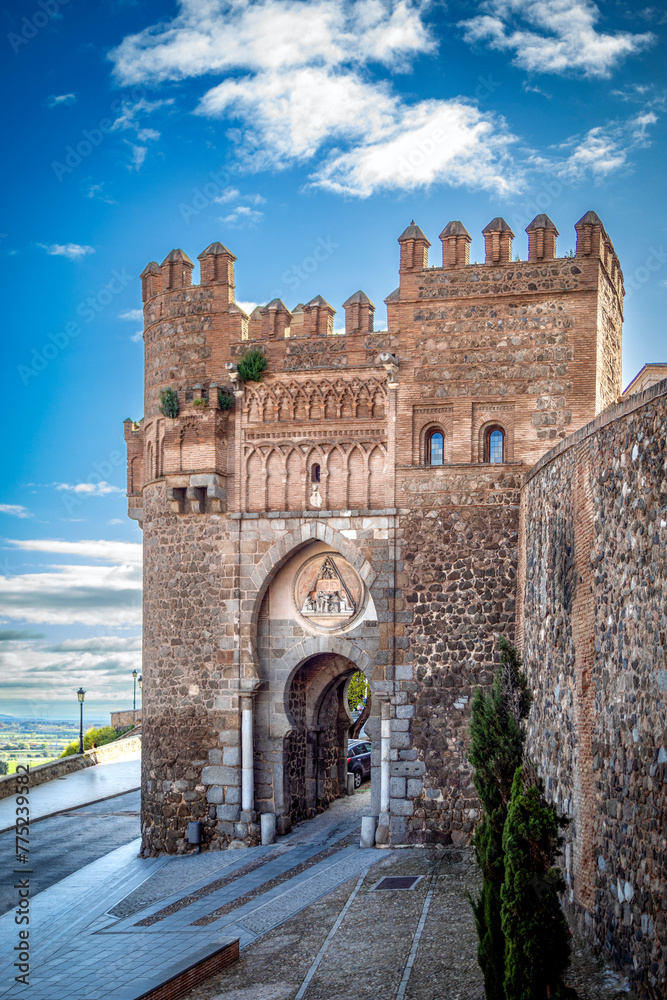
point(460, 564)
point(593, 631)
point(117, 750)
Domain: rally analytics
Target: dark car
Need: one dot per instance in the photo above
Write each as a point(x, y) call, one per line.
point(359, 760)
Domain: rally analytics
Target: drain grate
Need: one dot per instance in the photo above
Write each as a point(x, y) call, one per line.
point(397, 882)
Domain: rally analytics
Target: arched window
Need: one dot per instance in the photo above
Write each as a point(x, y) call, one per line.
point(435, 448)
point(494, 445)
point(315, 474)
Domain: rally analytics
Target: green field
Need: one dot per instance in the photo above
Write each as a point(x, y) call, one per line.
point(33, 742)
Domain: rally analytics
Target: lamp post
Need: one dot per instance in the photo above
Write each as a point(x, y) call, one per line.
point(139, 681)
point(81, 694)
point(134, 698)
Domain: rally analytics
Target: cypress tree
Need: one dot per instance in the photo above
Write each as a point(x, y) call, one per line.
point(496, 751)
point(537, 939)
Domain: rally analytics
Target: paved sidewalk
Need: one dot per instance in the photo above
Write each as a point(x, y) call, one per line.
point(82, 947)
point(81, 788)
point(306, 910)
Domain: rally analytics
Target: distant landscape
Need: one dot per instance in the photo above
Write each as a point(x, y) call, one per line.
point(34, 741)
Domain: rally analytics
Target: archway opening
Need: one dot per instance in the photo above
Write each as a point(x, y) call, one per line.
point(316, 748)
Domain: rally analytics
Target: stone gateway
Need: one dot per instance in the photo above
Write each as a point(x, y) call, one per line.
point(389, 501)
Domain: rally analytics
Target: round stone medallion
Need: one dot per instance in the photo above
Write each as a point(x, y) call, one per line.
point(328, 593)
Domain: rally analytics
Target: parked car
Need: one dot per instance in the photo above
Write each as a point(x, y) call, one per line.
point(359, 760)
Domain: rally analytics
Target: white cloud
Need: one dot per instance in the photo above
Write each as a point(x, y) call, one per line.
point(105, 592)
point(100, 489)
point(247, 306)
point(131, 111)
point(601, 151)
point(108, 551)
point(14, 510)
point(148, 135)
point(97, 191)
point(298, 77)
point(130, 117)
point(132, 315)
point(73, 251)
point(228, 194)
point(431, 141)
point(103, 666)
point(98, 644)
point(56, 100)
point(553, 36)
point(219, 35)
point(138, 155)
point(136, 337)
point(242, 216)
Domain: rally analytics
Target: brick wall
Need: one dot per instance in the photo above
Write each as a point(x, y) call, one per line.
point(593, 636)
point(331, 448)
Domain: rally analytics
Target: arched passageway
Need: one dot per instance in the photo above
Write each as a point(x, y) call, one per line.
point(316, 746)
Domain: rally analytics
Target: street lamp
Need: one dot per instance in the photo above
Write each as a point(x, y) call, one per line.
point(140, 679)
point(81, 694)
point(134, 699)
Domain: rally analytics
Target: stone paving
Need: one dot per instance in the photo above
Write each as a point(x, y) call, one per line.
point(310, 922)
point(366, 957)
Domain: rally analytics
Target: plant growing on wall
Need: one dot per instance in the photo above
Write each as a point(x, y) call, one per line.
point(225, 399)
point(537, 939)
point(200, 402)
point(251, 365)
point(169, 403)
point(496, 751)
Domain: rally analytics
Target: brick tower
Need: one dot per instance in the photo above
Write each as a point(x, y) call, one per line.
point(356, 509)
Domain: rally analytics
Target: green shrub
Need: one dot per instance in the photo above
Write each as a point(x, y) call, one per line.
point(105, 734)
point(4, 767)
point(537, 939)
point(251, 365)
point(169, 403)
point(225, 399)
point(496, 750)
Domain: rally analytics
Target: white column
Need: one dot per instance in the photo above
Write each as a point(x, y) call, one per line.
point(247, 755)
point(385, 760)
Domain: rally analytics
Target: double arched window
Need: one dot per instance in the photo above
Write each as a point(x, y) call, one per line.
point(435, 447)
point(494, 445)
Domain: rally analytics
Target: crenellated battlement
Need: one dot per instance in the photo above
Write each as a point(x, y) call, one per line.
point(530, 345)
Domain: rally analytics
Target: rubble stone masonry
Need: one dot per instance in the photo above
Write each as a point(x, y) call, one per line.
point(593, 627)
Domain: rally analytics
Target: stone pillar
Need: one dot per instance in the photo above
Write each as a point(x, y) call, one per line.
point(382, 835)
point(247, 756)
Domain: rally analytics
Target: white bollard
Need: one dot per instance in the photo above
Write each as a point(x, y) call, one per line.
point(368, 827)
point(268, 825)
point(350, 784)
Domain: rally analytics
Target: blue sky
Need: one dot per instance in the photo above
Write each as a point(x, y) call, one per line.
point(276, 127)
